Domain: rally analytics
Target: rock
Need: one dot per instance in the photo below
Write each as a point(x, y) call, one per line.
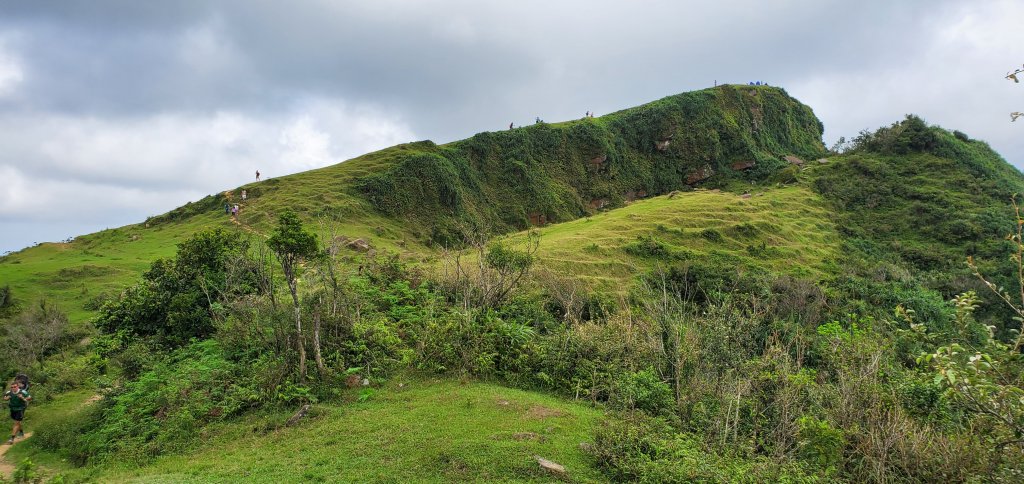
point(298, 416)
point(537, 218)
point(549, 466)
point(366, 382)
point(745, 195)
point(662, 145)
point(794, 160)
point(598, 203)
point(359, 245)
point(702, 173)
point(822, 160)
point(598, 161)
point(742, 165)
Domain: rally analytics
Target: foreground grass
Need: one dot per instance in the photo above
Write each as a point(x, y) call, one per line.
point(418, 431)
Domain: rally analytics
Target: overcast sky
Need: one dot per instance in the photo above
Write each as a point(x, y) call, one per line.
point(111, 111)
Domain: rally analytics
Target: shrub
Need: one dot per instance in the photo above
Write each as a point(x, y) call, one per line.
point(820, 443)
point(643, 390)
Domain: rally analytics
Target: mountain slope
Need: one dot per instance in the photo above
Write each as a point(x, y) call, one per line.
point(409, 198)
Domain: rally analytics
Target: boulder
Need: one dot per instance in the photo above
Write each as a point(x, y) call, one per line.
point(359, 245)
point(662, 145)
point(794, 160)
point(598, 203)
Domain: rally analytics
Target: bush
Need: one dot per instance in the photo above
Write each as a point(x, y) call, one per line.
point(643, 390)
point(819, 443)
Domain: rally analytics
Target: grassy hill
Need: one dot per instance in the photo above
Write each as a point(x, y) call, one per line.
point(412, 197)
point(788, 364)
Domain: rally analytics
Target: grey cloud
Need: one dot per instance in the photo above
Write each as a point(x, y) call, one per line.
point(118, 93)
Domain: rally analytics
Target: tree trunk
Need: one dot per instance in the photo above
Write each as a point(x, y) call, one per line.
point(298, 326)
point(316, 345)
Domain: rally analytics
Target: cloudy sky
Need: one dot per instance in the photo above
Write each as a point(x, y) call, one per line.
point(111, 111)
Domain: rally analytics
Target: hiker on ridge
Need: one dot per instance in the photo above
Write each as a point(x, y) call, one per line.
point(244, 195)
point(18, 399)
point(257, 175)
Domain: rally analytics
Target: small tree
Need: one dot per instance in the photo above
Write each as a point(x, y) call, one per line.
point(293, 245)
point(36, 333)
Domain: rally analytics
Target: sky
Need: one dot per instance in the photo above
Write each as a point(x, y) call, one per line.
point(112, 111)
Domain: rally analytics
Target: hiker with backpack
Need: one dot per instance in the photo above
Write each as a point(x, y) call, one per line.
point(17, 398)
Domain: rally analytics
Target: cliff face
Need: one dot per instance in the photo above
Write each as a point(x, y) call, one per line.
point(509, 180)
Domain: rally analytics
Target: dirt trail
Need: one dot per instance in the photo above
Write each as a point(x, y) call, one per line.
point(7, 467)
point(234, 219)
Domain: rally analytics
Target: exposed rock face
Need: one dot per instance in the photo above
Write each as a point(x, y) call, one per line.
point(598, 203)
point(742, 165)
point(794, 160)
point(537, 218)
point(702, 173)
point(634, 194)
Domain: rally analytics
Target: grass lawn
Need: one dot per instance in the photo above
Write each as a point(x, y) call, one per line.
point(420, 430)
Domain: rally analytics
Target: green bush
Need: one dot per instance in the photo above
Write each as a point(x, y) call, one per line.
point(643, 390)
point(819, 443)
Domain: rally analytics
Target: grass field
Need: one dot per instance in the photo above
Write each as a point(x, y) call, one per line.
point(785, 230)
point(418, 430)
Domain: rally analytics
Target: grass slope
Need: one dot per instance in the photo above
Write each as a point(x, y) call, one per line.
point(421, 431)
point(782, 230)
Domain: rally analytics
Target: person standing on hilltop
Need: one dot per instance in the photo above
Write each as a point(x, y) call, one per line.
point(257, 175)
point(244, 195)
point(18, 399)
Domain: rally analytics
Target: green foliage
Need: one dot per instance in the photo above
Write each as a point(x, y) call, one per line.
point(174, 301)
point(820, 443)
point(643, 390)
point(642, 449)
point(291, 241)
point(25, 472)
point(164, 409)
point(507, 180)
point(647, 246)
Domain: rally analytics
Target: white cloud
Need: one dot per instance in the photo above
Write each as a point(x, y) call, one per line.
point(61, 167)
point(11, 71)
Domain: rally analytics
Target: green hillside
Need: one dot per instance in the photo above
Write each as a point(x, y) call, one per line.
point(414, 196)
point(712, 297)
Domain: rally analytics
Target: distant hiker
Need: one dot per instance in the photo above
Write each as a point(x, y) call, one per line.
point(758, 83)
point(244, 195)
point(257, 175)
point(509, 125)
point(17, 399)
point(587, 114)
point(538, 120)
point(234, 211)
point(227, 208)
